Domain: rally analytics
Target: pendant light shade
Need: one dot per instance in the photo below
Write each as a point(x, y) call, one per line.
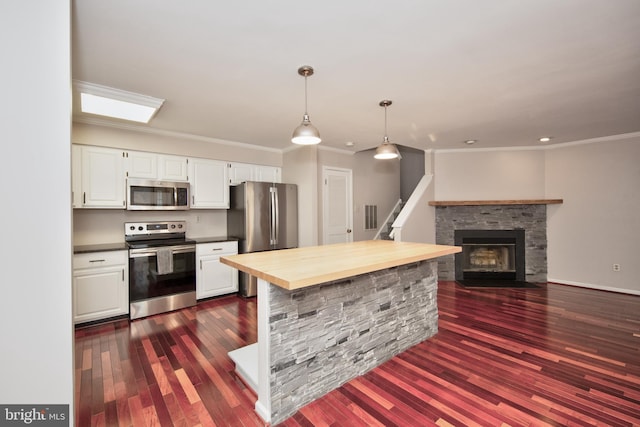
point(306, 133)
point(386, 150)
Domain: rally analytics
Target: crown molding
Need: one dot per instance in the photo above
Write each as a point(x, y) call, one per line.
point(172, 134)
point(609, 138)
point(543, 147)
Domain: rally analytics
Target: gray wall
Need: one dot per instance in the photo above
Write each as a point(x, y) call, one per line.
point(411, 170)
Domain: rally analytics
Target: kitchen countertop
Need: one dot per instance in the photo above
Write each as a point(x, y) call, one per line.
point(302, 267)
point(103, 247)
point(214, 239)
point(122, 246)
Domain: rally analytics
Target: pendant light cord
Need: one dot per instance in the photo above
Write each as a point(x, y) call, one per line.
point(305, 95)
point(386, 138)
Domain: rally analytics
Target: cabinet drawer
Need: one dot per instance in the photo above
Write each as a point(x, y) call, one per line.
point(99, 259)
point(217, 248)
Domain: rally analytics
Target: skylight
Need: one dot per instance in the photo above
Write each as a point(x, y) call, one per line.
point(116, 103)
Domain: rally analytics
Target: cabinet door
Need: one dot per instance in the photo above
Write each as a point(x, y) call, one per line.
point(241, 172)
point(172, 168)
point(267, 174)
point(102, 178)
point(100, 293)
point(209, 184)
point(212, 277)
point(76, 176)
point(142, 165)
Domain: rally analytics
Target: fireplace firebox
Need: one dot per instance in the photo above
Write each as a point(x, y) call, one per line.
point(495, 255)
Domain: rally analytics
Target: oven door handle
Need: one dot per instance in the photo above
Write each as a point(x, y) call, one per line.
point(145, 252)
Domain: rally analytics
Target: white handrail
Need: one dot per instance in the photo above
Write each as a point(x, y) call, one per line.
point(411, 204)
point(386, 220)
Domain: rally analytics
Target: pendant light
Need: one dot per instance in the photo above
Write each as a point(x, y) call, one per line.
point(306, 133)
point(386, 150)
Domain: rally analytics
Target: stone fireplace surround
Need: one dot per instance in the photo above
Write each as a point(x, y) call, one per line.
point(530, 217)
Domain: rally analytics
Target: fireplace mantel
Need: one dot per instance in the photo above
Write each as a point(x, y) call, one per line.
point(494, 202)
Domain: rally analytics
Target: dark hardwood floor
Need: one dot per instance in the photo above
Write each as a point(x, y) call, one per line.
point(557, 355)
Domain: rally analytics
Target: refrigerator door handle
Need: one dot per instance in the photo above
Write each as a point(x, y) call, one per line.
point(276, 221)
point(273, 192)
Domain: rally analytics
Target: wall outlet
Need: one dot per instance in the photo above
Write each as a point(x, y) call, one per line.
point(616, 267)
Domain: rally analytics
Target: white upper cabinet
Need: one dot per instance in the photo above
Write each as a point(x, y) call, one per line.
point(268, 174)
point(102, 178)
point(209, 184)
point(241, 172)
point(142, 165)
point(76, 176)
point(162, 167)
point(173, 168)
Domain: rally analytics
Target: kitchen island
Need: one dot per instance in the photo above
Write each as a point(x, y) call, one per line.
point(327, 314)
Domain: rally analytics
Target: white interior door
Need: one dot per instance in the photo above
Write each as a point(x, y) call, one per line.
point(337, 218)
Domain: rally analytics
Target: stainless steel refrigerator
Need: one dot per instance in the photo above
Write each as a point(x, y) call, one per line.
point(264, 217)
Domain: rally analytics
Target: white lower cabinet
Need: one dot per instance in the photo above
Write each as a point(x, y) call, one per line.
point(212, 277)
point(100, 285)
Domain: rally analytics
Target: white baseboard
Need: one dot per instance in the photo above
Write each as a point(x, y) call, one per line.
point(593, 286)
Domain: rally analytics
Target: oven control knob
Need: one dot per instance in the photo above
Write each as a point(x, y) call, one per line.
point(173, 226)
point(140, 228)
point(132, 227)
point(179, 225)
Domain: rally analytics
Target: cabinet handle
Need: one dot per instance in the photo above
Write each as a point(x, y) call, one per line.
point(123, 275)
point(97, 260)
point(200, 264)
point(216, 249)
point(84, 197)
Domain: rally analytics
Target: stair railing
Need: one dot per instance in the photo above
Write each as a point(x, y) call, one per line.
point(407, 209)
point(388, 219)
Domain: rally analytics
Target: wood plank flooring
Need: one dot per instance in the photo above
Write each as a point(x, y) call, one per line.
point(554, 356)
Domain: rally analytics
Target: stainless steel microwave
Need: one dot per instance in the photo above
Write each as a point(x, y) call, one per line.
point(148, 195)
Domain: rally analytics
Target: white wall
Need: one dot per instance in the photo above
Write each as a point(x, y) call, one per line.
point(599, 222)
point(146, 139)
point(92, 226)
point(37, 330)
point(300, 167)
point(375, 182)
point(489, 174)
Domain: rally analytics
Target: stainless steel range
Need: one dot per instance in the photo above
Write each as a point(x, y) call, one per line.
point(162, 267)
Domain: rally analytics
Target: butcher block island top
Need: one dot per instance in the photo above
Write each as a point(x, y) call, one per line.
point(301, 267)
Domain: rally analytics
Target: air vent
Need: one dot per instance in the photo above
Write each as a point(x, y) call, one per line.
point(370, 217)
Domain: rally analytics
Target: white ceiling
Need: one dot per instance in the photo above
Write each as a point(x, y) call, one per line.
point(503, 72)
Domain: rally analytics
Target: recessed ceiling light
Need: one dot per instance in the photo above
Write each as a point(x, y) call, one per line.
point(349, 144)
point(470, 141)
point(116, 103)
point(545, 139)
